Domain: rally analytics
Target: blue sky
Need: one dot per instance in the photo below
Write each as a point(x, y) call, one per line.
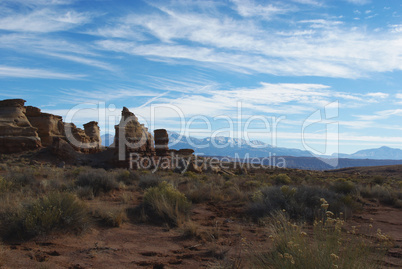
point(282, 61)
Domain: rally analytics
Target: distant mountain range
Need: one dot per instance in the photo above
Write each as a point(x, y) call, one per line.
point(383, 153)
point(226, 146)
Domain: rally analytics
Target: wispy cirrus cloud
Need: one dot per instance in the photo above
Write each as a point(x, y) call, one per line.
point(324, 47)
point(359, 2)
point(43, 20)
point(21, 72)
point(249, 8)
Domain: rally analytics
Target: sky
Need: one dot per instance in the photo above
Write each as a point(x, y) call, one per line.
point(321, 75)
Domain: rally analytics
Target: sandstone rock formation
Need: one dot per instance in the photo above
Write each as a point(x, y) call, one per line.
point(27, 128)
point(161, 142)
point(132, 137)
point(92, 130)
point(16, 132)
point(49, 126)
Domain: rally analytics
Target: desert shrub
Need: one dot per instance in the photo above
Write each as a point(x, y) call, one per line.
point(281, 179)
point(99, 180)
point(127, 177)
point(199, 191)
point(55, 211)
point(327, 247)
point(378, 180)
point(384, 194)
point(252, 184)
point(301, 203)
point(85, 193)
point(110, 216)
point(5, 185)
point(149, 180)
point(3, 167)
point(164, 203)
point(343, 186)
point(21, 177)
point(190, 174)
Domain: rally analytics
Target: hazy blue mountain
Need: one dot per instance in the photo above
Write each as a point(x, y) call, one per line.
point(107, 139)
point(226, 146)
point(383, 153)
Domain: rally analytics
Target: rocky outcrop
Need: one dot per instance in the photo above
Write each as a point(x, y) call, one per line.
point(161, 142)
point(16, 132)
point(49, 126)
point(132, 137)
point(185, 152)
point(77, 138)
point(92, 130)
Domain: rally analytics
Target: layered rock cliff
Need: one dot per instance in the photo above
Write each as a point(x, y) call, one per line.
point(16, 132)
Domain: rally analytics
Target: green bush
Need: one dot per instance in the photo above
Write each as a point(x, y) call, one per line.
point(164, 203)
point(99, 180)
point(281, 179)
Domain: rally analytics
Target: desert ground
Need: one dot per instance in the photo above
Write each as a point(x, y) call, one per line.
point(83, 217)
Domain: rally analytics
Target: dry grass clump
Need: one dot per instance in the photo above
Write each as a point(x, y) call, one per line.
point(149, 180)
point(21, 177)
point(281, 179)
point(385, 194)
point(326, 247)
point(300, 203)
point(54, 211)
point(165, 204)
point(343, 186)
point(127, 177)
point(110, 216)
point(99, 180)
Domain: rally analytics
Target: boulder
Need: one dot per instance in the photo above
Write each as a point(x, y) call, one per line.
point(16, 132)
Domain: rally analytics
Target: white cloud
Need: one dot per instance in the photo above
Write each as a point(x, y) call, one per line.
point(359, 2)
point(378, 95)
point(248, 8)
point(314, 47)
point(43, 21)
point(85, 61)
point(19, 72)
point(381, 115)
